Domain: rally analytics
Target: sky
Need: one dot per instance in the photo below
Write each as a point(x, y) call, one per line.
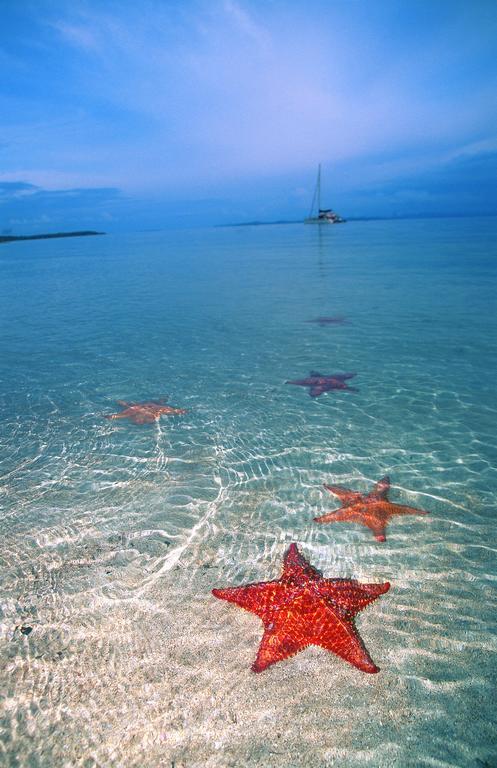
point(125, 115)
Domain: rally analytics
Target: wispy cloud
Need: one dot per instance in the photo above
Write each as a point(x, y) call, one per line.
point(13, 190)
point(246, 23)
point(78, 35)
point(230, 94)
point(25, 207)
point(208, 96)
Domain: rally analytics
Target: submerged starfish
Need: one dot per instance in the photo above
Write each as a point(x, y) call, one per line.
point(319, 383)
point(144, 413)
point(328, 321)
point(303, 608)
point(371, 509)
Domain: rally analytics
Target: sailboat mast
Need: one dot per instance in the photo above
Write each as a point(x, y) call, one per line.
point(317, 195)
point(319, 188)
point(322, 216)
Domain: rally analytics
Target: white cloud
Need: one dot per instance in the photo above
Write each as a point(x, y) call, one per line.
point(171, 96)
point(77, 34)
point(246, 24)
point(474, 149)
point(52, 180)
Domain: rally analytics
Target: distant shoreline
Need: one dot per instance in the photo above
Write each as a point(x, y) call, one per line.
point(14, 238)
point(406, 217)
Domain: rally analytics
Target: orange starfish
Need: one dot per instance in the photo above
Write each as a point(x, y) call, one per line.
point(372, 509)
point(303, 608)
point(144, 413)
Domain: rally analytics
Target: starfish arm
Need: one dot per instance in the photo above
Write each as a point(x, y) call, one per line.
point(356, 513)
point(346, 497)
point(381, 488)
point(255, 598)
point(316, 391)
point(340, 637)
point(115, 416)
point(401, 509)
point(278, 643)
point(335, 516)
point(350, 595)
point(296, 568)
point(143, 417)
point(378, 527)
point(300, 382)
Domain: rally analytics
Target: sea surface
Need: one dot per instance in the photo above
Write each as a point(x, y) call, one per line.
point(113, 651)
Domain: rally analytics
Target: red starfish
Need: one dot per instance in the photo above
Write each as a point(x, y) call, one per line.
point(319, 383)
point(144, 413)
point(372, 509)
point(302, 608)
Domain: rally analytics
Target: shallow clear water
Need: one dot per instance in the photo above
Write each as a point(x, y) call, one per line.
point(113, 534)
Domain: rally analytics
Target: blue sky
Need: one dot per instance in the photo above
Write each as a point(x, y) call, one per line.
point(121, 115)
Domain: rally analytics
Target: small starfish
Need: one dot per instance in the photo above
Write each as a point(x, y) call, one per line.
point(303, 608)
point(322, 321)
point(319, 383)
point(372, 509)
point(145, 413)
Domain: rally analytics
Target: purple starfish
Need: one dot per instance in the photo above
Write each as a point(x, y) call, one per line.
point(328, 321)
point(319, 383)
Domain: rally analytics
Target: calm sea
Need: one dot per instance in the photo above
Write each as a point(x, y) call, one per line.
point(113, 651)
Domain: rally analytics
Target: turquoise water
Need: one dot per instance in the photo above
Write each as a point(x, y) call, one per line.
point(113, 534)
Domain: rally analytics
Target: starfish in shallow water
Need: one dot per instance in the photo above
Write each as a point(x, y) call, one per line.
point(145, 413)
point(371, 509)
point(303, 608)
point(319, 383)
point(328, 321)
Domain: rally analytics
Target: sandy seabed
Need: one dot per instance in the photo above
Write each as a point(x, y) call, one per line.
point(164, 679)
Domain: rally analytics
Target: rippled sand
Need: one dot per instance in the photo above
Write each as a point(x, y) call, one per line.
point(116, 672)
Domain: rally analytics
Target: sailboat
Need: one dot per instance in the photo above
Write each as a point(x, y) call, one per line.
point(324, 215)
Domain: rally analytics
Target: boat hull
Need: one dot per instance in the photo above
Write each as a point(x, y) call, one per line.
point(324, 221)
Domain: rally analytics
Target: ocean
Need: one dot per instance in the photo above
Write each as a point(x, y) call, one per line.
point(113, 651)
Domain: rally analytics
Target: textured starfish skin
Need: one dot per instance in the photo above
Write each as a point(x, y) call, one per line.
point(322, 321)
point(319, 383)
point(372, 509)
point(303, 608)
point(144, 413)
